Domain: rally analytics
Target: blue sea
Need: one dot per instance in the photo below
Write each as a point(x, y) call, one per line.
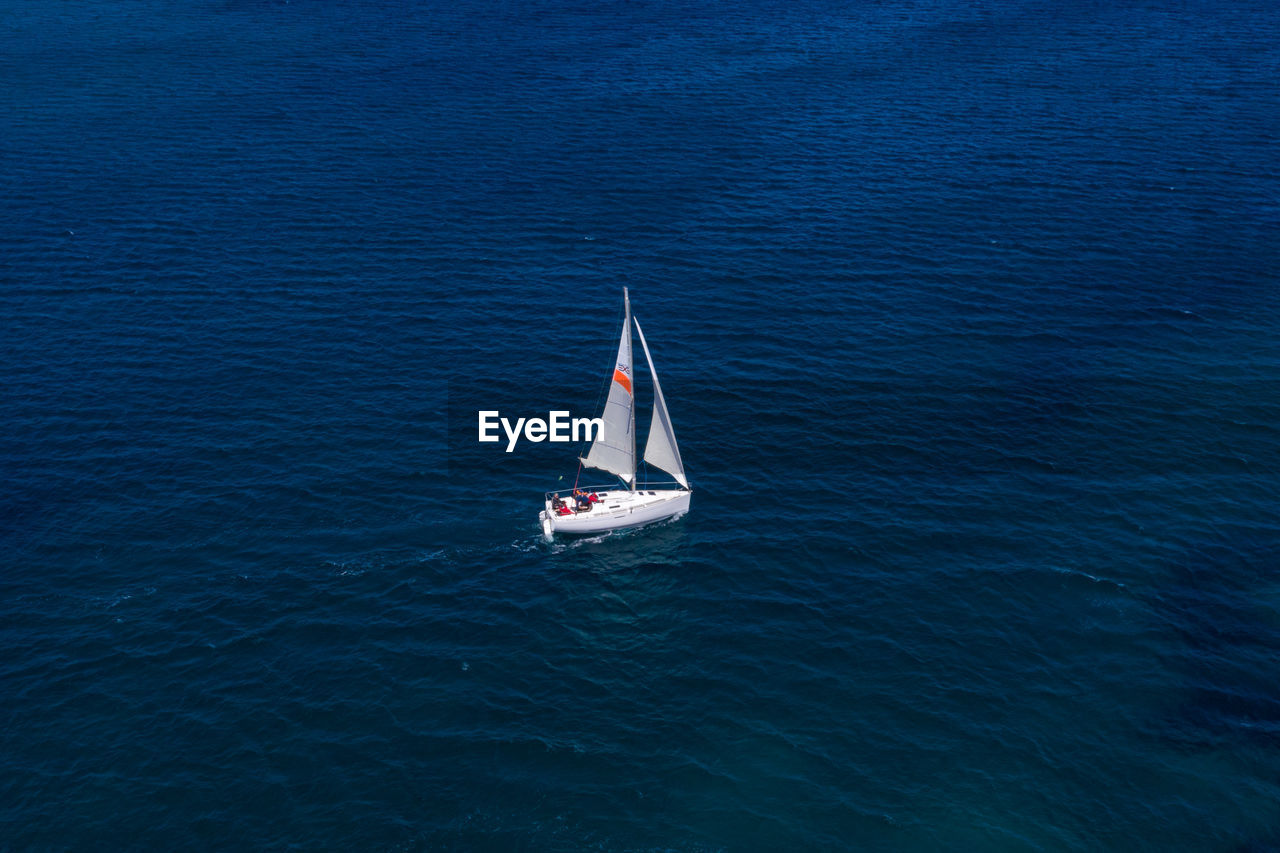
point(967, 316)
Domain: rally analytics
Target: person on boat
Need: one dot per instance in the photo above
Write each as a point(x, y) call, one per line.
point(580, 498)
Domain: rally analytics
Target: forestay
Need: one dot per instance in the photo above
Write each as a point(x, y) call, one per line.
point(661, 450)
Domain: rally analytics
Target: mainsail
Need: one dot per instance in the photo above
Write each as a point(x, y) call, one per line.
point(614, 449)
point(661, 450)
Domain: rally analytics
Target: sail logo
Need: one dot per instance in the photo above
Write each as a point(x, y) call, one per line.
point(558, 427)
point(622, 375)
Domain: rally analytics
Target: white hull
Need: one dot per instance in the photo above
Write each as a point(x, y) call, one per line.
point(618, 510)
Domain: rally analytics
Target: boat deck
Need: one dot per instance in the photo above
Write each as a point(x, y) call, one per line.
point(616, 509)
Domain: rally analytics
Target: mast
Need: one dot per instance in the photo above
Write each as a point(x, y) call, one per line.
point(614, 449)
point(626, 328)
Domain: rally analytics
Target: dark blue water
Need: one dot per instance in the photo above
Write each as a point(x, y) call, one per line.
point(968, 325)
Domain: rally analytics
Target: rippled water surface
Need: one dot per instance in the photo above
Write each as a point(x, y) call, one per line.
point(967, 321)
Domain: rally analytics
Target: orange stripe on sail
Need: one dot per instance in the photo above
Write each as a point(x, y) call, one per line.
point(622, 379)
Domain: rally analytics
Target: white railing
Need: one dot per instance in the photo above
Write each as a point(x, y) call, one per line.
point(612, 487)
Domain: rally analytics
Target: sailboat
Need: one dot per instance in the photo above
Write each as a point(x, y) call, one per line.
point(598, 509)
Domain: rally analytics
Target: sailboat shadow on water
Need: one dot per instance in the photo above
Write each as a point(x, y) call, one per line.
point(601, 509)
